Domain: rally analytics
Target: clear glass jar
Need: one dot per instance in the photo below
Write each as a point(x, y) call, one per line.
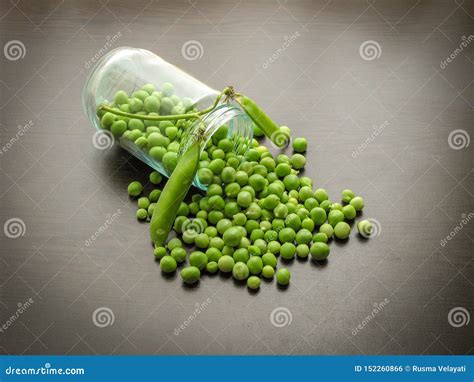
point(129, 69)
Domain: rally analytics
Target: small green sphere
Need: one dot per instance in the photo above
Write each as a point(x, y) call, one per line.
point(297, 161)
point(349, 212)
point(212, 267)
point(159, 252)
point(347, 195)
point(358, 203)
point(168, 264)
point(143, 202)
point(190, 275)
point(135, 188)
point(255, 265)
point(268, 272)
point(198, 259)
point(226, 263)
point(327, 229)
point(300, 145)
point(283, 276)
point(320, 237)
point(142, 214)
point(318, 215)
point(302, 251)
point(155, 177)
point(335, 216)
point(287, 251)
point(240, 271)
point(321, 194)
point(253, 282)
point(319, 251)
point(179, 254)
point(120, 97)
point(232, 236)
point(342, 230)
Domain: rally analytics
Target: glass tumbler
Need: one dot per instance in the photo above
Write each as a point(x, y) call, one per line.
point(138, 74)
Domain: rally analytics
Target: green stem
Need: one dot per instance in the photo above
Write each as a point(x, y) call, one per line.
point(109, 109)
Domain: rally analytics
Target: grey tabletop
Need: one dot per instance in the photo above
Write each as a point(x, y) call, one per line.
point(381, 89)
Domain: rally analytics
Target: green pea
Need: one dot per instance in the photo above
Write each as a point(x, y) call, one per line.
point(198, 259)
point(283, 276)
point(319, 251)
point(223, 225)
point(232, 190)
point(281, 211)
point(303, 236)
point(287, 251)
point(349, 212)
point(174, 243)
point(143, 202)
point(298, 161)
point(268, 272)
point(302, 251)
point(282, 170)
point(190, 275)
point(261, 244)
point(336, 206)
point(240, 271)
point(157, 153)
point(120, 97)
point(135, 188)
point(308, 224)
point(320, 237)
point(342, 230)
point(205, 175)
point(293, 221)
point(179, 254)
point(241, 255)
point(326, 205)
point(347, 195)
point(212, 267)
point(240, 219)
point(159, 252)
point(232, 236)
point(269, 259)
point(170, 160)
point(292, 182)
point(251, 225)
point(300, 145)
point(274, 247)
point(216, 202)
point(155, 177)
point(318, 215)
point(201, 240)
point(321, 194)
point(168, 264)
point(136, 124)
point(255, 265)
point(334, 217)
point(216, 242)
point(226, 263)
point(183, 210)
point(253, 282)
point(242, 178)
point(244, 199)
point(358, 203)
point(257, 182)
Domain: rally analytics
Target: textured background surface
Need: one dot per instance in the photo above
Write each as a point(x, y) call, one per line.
point(416, 178)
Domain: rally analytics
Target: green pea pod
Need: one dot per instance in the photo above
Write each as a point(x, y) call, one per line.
point(173, 194)
point(263, 121)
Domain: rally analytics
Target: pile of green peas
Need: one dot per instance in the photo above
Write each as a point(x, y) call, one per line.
point(257, 207)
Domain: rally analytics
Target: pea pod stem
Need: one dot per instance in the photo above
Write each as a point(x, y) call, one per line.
point(174, 193)
point(174, 117)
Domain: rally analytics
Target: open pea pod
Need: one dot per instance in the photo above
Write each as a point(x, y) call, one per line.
point(280, 138)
